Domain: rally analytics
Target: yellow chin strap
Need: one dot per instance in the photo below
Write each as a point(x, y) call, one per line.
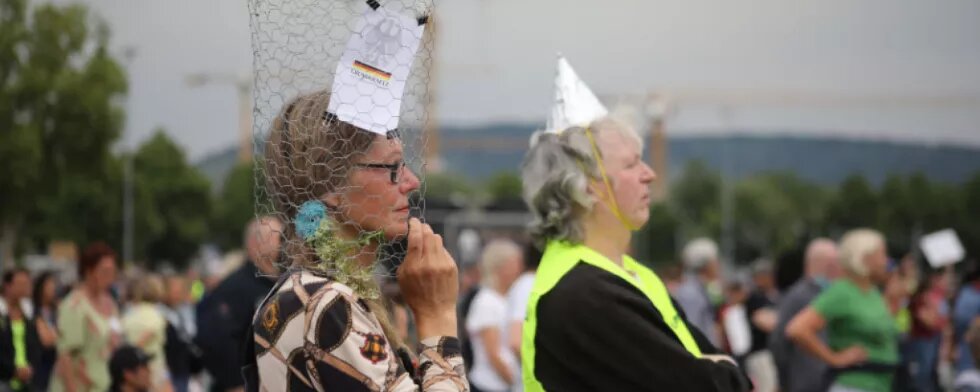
point(605, 179)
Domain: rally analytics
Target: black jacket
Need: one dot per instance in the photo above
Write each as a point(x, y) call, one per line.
point(183, 355)
point(597, 332)
point(33, 344)
point(223, 319)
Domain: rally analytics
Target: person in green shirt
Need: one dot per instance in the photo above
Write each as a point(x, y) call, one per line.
point(862, 339)
point(19, 344)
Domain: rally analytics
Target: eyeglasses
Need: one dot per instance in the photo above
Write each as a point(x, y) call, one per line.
point(394, 169)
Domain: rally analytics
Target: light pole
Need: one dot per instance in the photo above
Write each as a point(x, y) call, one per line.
point(727, 196)
point(129, 53)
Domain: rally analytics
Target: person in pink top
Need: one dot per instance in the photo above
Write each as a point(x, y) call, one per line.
point(930, 319)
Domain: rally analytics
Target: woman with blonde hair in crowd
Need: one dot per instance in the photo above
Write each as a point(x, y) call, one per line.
point(146, 328)
point(494, 364)
point(861, 337)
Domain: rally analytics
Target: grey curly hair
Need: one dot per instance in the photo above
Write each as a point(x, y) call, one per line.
point(555, 175)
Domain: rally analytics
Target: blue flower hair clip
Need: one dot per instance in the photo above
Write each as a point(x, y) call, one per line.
point(308, 218)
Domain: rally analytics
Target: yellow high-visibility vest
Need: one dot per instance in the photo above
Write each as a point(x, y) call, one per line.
point(559, 258)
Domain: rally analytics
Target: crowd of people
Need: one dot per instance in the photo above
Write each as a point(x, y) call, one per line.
point(564, 319)
point(886, 327)
point(856, 319)
point(144, 333)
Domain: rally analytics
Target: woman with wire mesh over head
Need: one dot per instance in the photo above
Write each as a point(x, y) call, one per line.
point(324, 325)
point(597, 320)
point(334, 166)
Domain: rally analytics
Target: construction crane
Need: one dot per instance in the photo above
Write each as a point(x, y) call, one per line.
point(481, 67)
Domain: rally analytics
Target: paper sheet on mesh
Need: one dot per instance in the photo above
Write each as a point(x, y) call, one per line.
point(371, 75)
point(575, 104)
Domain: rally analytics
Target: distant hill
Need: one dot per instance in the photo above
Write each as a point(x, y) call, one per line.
point(822, 160)
point(827, 161)
point(480, 152)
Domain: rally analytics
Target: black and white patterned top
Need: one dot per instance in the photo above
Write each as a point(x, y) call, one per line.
point(316, 334)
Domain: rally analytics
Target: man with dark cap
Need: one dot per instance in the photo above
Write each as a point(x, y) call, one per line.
point(130, 370)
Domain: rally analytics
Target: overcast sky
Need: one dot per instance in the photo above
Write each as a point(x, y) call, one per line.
point(902, 70)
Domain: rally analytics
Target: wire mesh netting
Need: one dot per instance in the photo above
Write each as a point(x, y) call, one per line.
point(317, 158)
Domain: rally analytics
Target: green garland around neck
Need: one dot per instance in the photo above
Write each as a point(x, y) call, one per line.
point(338, 258)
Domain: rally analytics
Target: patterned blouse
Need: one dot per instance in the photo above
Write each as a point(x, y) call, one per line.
point(315, 334)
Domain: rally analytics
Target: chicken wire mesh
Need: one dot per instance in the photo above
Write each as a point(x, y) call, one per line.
point(309, 161)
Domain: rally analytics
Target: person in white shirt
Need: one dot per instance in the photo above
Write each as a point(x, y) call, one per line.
point(517, 297)
point(494, 363)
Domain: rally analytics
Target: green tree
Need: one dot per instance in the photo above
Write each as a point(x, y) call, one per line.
point(180, 198)
point(59, 113)
point(809, 201)
point(899, 218)
point(234, 206)
point(773, 212)
point(940, 205)
point(655, 243)
point(854, 205)
point(20, 144)
point(445, 186)
point(914, 205)
point(84, 209)
point(695, 201)
point(897, 208)
point(970, 233)
point(505, 185)
point(765, 221)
